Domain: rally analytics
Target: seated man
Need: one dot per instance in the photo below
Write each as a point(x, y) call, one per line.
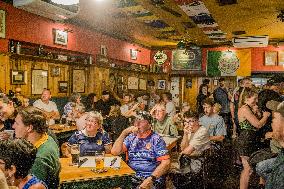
point(213, 122)
point(196, 138)
point(48, 107)
point(146, 152)
point(163, 124)
point(30, 124)
point(7, 117)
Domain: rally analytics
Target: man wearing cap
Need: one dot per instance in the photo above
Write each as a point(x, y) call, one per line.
point(104, 104)
point(276, 177)
point(146, 152)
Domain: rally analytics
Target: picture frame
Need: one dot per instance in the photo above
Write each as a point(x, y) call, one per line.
point(39, 81)
point(142, 84)
point(62, 86)
point(78, 80)
point(133, 54)
point(2, 24)
point(55, 71)
point(280, 58)
point(161, 84)
point(270, 58)
point(60, 37)
point(18, 77)
point(133, 83)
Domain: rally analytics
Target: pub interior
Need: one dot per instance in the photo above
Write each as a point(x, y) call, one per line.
point(141, 94)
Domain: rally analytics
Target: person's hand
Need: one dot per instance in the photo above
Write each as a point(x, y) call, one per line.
point(268, 135)
point(187, 129)
point(146, 184)
point(4, 135)
point(129, 130)
point(266, 114)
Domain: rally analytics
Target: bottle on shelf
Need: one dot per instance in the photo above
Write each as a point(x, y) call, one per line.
point(18, 48)
point(12, 47)
point(40, 50)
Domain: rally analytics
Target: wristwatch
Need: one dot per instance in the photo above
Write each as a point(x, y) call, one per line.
point(153, 178)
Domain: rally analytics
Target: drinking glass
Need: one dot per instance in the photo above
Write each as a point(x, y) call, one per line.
point(99, 158)
point(75, 153)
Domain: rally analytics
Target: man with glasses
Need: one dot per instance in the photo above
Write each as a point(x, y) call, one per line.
point(195, 138)
point(146, 151)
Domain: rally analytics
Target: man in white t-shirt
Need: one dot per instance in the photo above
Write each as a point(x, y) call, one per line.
point(196, 137)
point(48, 107)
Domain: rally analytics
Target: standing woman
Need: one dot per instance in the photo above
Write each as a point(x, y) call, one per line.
point(248, 140)
point(16, 163)
point(202, 95)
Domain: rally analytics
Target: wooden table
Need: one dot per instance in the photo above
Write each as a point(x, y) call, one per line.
point(74, 177)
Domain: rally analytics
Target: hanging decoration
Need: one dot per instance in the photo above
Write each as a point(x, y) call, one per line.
point(160, 57)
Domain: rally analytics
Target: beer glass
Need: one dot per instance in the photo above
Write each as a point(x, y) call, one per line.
point(99, 157)
point(75, 153)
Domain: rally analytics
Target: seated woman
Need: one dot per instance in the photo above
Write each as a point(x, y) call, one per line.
point(71, 106)
point(17, 162)
point(92, 138)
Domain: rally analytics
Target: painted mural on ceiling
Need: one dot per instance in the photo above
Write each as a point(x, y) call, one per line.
point(200, 15)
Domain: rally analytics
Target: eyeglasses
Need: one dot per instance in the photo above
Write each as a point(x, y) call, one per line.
point(190, 121)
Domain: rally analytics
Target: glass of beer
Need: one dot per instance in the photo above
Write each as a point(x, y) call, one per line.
point(75, 153)
point(99, 157)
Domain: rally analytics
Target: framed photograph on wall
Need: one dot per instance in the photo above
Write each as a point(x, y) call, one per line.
point(142, 84)
point(62, 86)
point(132, 83)
point(270, 58)
point(39, 81)
point(133, 54)
point(18, 77)
point(60, 37)
point(79, 80)
point(2, 24)
point(280, 58)
point(162, 84)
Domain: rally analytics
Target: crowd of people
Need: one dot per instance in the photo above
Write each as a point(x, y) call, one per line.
point(248, 117)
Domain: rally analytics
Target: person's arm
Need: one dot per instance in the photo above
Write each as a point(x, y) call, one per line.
point(3, 182)
point(184, 143)
point(219, 138)
point(158, 172)
point(247, 114)
point(132, 111)
point(37, 186)
point(117, 147)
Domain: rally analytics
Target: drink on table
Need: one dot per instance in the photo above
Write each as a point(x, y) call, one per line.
point(99, 157)
point(75, 153)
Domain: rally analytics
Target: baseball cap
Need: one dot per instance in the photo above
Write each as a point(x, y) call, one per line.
point(143, 115)
point(276, 106)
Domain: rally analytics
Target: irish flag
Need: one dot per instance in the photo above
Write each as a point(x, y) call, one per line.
point(229, 63)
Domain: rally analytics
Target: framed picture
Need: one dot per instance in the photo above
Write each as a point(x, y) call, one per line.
point(142, 84)
point(2, 23)
point(162, 84)
point(60, 37)
point(55, 71)
point(133, 54)
point(270, 58)
point(39, 81)
point(62, 86)
point(280, 58)
point(79, 80)
point(18, 77)
point(132, 83)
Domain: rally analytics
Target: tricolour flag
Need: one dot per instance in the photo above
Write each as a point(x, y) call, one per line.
point(229, 63)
